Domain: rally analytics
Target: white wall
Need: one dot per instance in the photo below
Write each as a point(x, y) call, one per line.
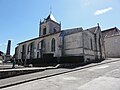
point(47, 40)
point(112, 46)
point(73, 44)
point(49, 25)
point(89, 45)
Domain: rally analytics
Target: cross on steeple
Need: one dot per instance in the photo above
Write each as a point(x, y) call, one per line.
point(50, 9)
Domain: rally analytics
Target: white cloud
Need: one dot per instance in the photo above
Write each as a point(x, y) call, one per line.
point(102, 11)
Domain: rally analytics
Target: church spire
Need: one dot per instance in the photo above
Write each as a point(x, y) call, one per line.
point(51, 17)
point(49, 25)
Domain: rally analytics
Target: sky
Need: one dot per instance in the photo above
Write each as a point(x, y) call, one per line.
point(19, 19)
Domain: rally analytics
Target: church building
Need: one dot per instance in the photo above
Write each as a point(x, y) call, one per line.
point(54, 45)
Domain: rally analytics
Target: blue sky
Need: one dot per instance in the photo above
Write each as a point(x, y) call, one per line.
point(19, 19)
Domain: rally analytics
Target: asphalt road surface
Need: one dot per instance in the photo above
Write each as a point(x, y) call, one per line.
point(101, 77)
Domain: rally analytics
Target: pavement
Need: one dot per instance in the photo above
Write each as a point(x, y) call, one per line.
point(9, 66)
point(98, 76)
point(6, 70)
point(8, 82)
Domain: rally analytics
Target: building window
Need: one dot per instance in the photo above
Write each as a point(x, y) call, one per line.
point(38, 54)
point(91, 44)
point(43, 45)
point(32, 48)
point(53, 45)
point(38, 50)
point(44, 31)
point(23, 51)
point(39, 46)
point(28, 50)
point(55, 30)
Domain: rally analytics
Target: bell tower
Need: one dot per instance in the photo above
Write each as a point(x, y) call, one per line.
point(49, 25)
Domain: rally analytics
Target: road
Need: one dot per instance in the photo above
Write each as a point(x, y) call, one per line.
point(101, 77)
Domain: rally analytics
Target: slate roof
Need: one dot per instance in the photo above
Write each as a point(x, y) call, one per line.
point(38, 37)
point(51, 17)
point(71, 31)
point(93, 29)
point(110, 32)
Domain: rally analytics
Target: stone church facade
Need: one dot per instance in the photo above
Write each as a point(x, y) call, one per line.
point(56, 45)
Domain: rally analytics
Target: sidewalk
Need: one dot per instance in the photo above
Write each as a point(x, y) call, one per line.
point(8, 66)
point(47, 73)
point(6, 71)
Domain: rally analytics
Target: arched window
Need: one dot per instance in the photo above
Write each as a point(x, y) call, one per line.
point(39, 49)
point(91, 44)
point(28, 49)
point(43, 45)
point(39, 46)
point(23, 51)
point(53, 45)
point(55, 30)
point(31, 49)
point(44, 31)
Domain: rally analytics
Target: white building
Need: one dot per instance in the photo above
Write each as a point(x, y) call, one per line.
point(61, 46)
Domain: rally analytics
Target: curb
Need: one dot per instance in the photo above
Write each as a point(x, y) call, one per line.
point(55, 74)
point(8, 74)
